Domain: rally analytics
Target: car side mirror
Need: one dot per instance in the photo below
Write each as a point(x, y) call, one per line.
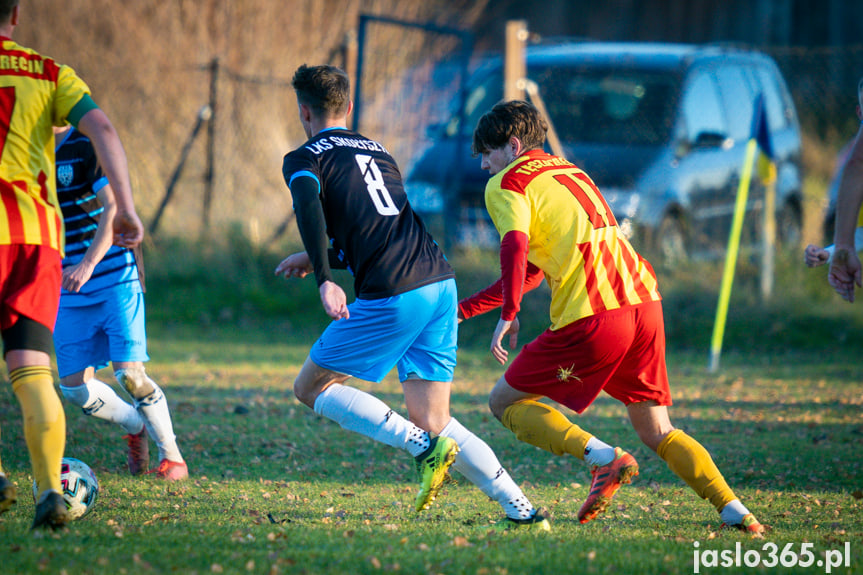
point(710, 140)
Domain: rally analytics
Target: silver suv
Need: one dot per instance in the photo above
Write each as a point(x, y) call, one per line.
point(661, 128)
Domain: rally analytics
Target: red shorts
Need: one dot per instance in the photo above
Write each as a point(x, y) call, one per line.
point(620, 351)
point(30, 278)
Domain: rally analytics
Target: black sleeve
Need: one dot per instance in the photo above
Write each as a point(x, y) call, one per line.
point(336, 262)
point(312, 225)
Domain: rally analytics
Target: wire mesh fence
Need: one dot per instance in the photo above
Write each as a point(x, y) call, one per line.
point(823, 81)
point(412, 80)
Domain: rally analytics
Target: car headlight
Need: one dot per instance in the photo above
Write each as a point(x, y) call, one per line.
point(624, 203)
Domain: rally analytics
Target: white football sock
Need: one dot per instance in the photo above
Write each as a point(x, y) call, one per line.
point(734, 512)
point(153, 408)
point(99, 399)
point(480, 465)
point(598, 452)
point(365, 414)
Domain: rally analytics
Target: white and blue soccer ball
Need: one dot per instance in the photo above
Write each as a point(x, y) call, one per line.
point(80, 488)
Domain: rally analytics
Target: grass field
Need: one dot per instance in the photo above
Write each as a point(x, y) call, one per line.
point(277, 489)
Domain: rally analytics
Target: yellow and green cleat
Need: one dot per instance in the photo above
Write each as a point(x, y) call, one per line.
point(538, 523)
point(432, 466)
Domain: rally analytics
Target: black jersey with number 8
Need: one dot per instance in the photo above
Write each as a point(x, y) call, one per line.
point(369, 220)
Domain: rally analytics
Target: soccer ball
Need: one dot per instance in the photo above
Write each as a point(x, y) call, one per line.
point(79, 485)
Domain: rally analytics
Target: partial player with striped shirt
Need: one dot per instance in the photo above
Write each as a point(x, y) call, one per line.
point(607, 330)
point(101, 317)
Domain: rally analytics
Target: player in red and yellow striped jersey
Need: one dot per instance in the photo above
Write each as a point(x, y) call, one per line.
point(607, 331)
point(37, 93)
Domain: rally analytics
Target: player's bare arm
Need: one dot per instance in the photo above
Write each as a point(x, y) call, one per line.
point(814, 256)
point(128, 229)
point(504, 328)
point(334, 300)
point(296, 265)
point(74, 277)
point(845, 270)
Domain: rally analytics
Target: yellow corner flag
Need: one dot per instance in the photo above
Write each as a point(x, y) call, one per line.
point(759, 139)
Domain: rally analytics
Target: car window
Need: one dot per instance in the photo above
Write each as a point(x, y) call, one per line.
point(776, 117)
point(599, 106)
point(614, 106)
point(486, 92)
point(737, 100)
point(702, 111)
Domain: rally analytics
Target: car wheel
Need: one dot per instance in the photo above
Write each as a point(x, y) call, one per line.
point(789, 227)
point(671, 243)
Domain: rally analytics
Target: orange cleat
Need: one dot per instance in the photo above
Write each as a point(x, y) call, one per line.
point(749, 525)
point(139, 452)
point(607, 479)
point(171, 470)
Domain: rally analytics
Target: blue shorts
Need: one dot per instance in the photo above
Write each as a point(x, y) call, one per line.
point(416, 331)
point(106, 331)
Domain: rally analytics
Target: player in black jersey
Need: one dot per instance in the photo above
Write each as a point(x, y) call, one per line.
point(353, 213)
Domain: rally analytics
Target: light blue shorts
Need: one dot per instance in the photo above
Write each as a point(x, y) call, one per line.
point(416, 331)
point(107, 331)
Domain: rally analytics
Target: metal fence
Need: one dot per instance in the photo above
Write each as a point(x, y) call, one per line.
point(412, 77)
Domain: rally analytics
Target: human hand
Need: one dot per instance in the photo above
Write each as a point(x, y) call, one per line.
point(503, 328)
point(334, 300)
point(295, 265)
point(74, 277)
point(845, 272)
point(813, 256)
point(128, 229)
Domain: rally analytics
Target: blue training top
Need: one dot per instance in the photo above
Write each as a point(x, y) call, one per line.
point(79, 179)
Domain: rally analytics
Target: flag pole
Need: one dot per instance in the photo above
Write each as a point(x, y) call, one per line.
point(731, 255)
point(767, 173)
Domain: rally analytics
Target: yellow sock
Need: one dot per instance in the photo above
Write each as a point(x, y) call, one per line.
point(545, 427)
point(44, 423)
point(692, 463)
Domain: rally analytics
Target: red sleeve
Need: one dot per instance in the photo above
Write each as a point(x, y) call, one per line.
point(482, 301)
point(513, 269)
point(533, 277)
point(492, 297)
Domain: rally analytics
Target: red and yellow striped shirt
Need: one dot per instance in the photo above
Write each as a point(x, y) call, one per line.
point(36, 93)
point(573, 237)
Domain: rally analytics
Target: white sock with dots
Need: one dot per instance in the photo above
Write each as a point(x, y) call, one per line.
point(479, 464)
point(99, 399)
point(364, 413)
point(156, 414)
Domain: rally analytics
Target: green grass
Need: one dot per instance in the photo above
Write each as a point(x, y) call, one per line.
point(277, 489)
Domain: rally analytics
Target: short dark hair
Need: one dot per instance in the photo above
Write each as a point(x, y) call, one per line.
point(507, 119)
point(6, 7)
point(325, 89)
